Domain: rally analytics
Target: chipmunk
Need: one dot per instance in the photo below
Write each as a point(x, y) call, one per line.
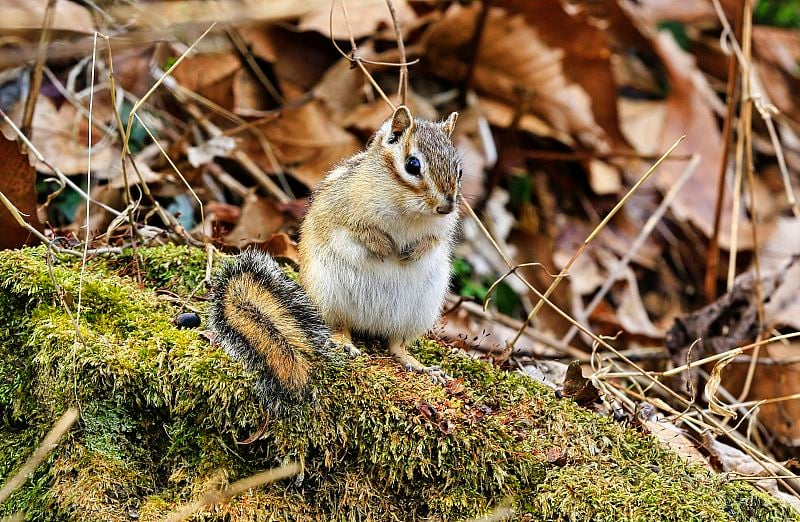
point(375, 249)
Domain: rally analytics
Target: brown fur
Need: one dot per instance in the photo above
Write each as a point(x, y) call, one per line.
point(291, 368)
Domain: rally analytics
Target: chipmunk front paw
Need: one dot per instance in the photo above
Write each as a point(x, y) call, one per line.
point(415, 251)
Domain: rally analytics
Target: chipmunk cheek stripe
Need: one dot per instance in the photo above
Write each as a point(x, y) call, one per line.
point(387, 158)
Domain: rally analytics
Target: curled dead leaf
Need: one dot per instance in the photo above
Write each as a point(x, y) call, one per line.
point(513, 60)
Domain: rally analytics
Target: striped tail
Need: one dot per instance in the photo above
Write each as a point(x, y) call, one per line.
point(267, 321)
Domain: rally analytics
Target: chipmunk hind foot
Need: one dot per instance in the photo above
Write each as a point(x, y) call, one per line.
point(398, 350)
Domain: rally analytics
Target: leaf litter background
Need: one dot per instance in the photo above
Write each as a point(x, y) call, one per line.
point(564, 106)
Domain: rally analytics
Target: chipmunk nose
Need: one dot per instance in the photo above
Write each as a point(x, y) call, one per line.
point(447, 207)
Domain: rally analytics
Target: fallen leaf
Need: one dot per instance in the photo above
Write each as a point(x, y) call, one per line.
point(587, 55)
point(219, 146)
point(579, 388)
point(688, 114)
point(642, 122)
point(777, 54)
point(364, 20)
point(306, 141)
point(61, 135)
point(604, 178)
point(674, 438)
point(259, 220)
point(18, 184)
point(29, 14)
point(367, 117)
point(281, 246)
point(776, 375)
point(210, 75)
point(513, 59)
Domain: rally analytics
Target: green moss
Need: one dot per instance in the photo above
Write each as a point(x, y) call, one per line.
point(162, 412)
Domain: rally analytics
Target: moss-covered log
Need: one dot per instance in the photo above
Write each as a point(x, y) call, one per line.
point(162, 409)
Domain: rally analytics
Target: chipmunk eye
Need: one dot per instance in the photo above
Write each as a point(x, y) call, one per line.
point(413, 165)
point(460, 172)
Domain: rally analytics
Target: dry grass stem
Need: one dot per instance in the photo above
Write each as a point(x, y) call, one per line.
point(402, 86)
point(48, 444)
point(591, 236)
point(235, 489)
point(36, 75)
point(637, 244)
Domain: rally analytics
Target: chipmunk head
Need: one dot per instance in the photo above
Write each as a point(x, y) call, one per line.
point(420, 157)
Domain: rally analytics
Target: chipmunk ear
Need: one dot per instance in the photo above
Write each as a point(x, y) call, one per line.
point(449, 125)
point(401, 120)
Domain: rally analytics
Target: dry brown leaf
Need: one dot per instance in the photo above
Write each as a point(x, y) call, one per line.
point(513, 59)
point(631, 312)
point(501, 114)
point(132, 69)
point(587, 55)
point(61, 135)
point(737, 461)
point(685, 11)
point(674, 438)
point(643, 123)
point(776, 377)
point(250, 98)
point(778, 55)
point(18, 184)
point(777, 252)
point(259, 220)
point(688, 114)
point(367, 117)
point(280, 245)
point(341, 90)
point(210, 75)
point(604, 178)
point(29, 14)
point(219, 146)
point(306, 141)
point(365, 19)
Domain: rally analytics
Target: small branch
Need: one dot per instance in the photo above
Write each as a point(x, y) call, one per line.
point(402, 87)
point(237, 488)
point(591, 237)
point(36, 76)
point(48, 444)
point(712, 263)
point(474, 45)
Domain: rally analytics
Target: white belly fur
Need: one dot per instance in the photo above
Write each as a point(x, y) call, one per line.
point(383, 298)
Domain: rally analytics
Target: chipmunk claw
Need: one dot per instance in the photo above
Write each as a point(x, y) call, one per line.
point(435, 373)
point(351, 350)
point(336, 349)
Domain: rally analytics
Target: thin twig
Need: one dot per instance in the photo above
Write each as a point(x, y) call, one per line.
point(742, 134)
point(36, 76)
point(712, 263)
point(402, 86)
point(651, 223)
point(237, 488)
point(591, 236)
point(48, 444)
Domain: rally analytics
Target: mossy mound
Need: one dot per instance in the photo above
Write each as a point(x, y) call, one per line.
point(162, 409)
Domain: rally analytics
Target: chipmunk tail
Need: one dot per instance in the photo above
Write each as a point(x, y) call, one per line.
point(267, 321)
